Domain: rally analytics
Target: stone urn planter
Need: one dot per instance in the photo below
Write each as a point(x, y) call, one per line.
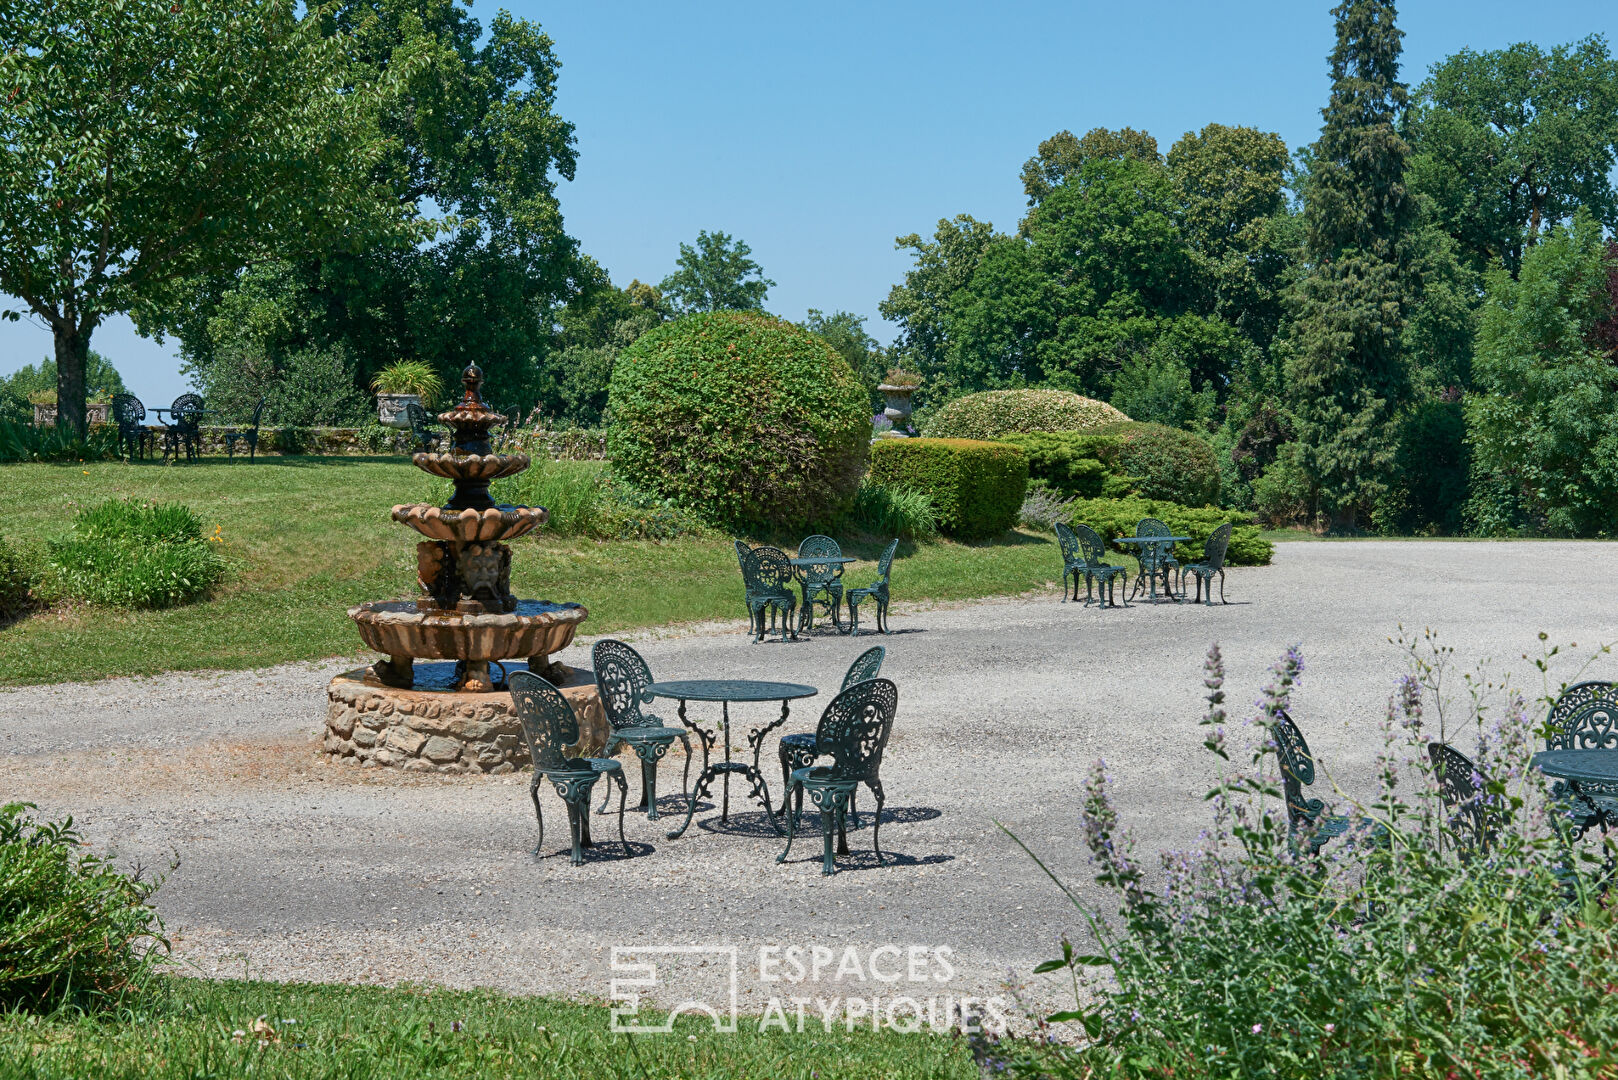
point(898, 403)
point(391, 409)
point(44, 414)
point(96, 412)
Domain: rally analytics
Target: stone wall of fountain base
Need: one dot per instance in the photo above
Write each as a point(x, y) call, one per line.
point(439, 731)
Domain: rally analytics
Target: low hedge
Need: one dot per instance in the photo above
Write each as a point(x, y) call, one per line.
point(976, 487)
point(1071, 462)
point(1118, 517)
point(1165, 463)
point(993, 413)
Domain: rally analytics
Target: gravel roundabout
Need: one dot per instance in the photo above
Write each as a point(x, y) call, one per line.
point(293, 867)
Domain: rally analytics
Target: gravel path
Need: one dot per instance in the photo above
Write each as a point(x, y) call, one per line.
point(295, 868)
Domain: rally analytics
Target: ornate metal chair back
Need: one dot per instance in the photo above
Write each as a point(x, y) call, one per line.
point(1297, 770)
point(1090, 543)
point(867, 665)
point(1069, 542)
point(1585, 717)
point(548, 721)
point(621, 678)
point(854, 729)
point(258, 414)
point(1213, 553)
point(1149, 554)
point(1151, 526)
point(1460, 789)
point(127, 411)
point(817, 545)
point(884, 565)
point(773, 568)
point(186, 410)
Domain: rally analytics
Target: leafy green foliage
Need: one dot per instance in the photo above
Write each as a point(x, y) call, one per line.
point(1063, 155)
point(889, 510)
point(74, 930)
point(976, 488)
point(596, 326)
point(845, 332)
point(24, 385)
point(1544, 446)
point(410, 377)
point(717, 274)
point(14, 582)
point(741, 418)
point(1163, 462)
point(1118, 517)
point(56, 442)
point(1071, 463)
point(1427, 492)
point(920, 306)
point(310, 387)
point(122, 176)
point(1372, 961)
point(126, 553)
point(993, 413)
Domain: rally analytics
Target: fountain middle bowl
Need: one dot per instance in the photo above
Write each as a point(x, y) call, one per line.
point(481, 468)
point(536, 628)
point(468, 526)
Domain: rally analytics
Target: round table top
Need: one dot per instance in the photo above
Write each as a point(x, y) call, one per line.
point(821, 560)
point(1576, 765)
point(1150, 539)
point(730, 690)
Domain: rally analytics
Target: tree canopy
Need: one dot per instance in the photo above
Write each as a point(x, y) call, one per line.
point(716, 273)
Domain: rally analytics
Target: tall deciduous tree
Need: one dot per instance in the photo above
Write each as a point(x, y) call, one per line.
point(1063, 155)
point(143, 142)
point(1345, 373)
point(1511, 141)
point(716, 274)
point(920, 305)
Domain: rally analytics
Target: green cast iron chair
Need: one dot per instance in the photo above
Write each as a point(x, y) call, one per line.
point(1468, 820)
point(820, 584)
point(424, 432)
point(767, 575)
point(1307, 819)
point(877, 590)
point(1097, 571)
point(183, 431)
point(1213, 562)
point(248, 435)
point(853, 732)
point(1155, 559)
point(622, 677)
point(1585, 717)
point(548, 725)
point(798, 751)
point(1072, 559)
point(134, 437)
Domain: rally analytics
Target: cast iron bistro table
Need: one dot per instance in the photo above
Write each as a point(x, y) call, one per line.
point(1587, 772)
point(820, 560)
point(1164, 542)
point(726, 691)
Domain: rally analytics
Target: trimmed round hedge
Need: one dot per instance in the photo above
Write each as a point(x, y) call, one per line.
point(740, 417)
point(1166, 463)
point(994, 413)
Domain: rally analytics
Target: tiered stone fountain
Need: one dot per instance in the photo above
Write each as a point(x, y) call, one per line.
point(451, 713)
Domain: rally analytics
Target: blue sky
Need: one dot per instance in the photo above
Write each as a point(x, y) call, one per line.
point(818, 133)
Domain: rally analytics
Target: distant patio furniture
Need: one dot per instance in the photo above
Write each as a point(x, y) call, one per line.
point(767, 577)
point(182, 432)
point(134, 438)
point(248, 435)
point(1161, 555)
point(1213, 562)
point(877, 591)
point(622, 677)
point(820, 582)
point(1092, 563)
point(853, 732)
point(549, 724)
point(797, 751)
point(1585, 717)
point(425, 433)
point(1307, 820)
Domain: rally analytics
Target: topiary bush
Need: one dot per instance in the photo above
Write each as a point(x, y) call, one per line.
point(994, 413)
point(1118, 517)
point(740, 417)
point(1165, 463)
point(131, 554)
point(1071, 462)
point(976, 487)
point(74, 930)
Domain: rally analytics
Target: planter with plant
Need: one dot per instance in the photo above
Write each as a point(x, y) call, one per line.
point(896, 387)
point(402, 384)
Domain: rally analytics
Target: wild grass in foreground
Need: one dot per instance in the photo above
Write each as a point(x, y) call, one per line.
point(195, 1028)
point(307, 538)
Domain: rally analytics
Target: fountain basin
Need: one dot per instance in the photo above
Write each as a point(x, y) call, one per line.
point(536, 628)
point(468, 526)
point(477, 467)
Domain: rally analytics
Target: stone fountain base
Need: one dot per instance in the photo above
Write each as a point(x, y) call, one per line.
point(369, 724)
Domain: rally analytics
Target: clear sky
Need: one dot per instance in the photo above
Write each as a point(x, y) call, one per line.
point(818, 133)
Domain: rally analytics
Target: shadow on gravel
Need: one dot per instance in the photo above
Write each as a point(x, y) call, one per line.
point(600, 851)
point(858, 859)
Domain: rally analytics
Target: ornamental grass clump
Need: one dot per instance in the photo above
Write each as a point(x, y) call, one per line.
point(74, 930)
point(127, 553)
point(1397, 952)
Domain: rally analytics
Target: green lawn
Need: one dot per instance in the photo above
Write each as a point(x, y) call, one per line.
point(186, 1028)
point(309, 537)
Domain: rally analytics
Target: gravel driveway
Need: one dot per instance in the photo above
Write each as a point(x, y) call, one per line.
point(295, 868)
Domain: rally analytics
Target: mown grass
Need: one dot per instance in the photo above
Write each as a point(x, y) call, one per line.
point(310, 537)
point(187, 1028)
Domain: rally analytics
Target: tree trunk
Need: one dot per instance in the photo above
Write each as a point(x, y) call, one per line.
point(72, 358)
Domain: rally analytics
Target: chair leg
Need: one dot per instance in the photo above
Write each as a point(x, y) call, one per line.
point(853, 616)
point(533, 793)
point(876, 825)
point(827, 864)
point(648, 787)
point(842, 827)
point(792, 820)
point(685, 779)
point(1222, 599)
point(573, 829)
point(608, 751)
point(585, 839)
point(623, 797)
